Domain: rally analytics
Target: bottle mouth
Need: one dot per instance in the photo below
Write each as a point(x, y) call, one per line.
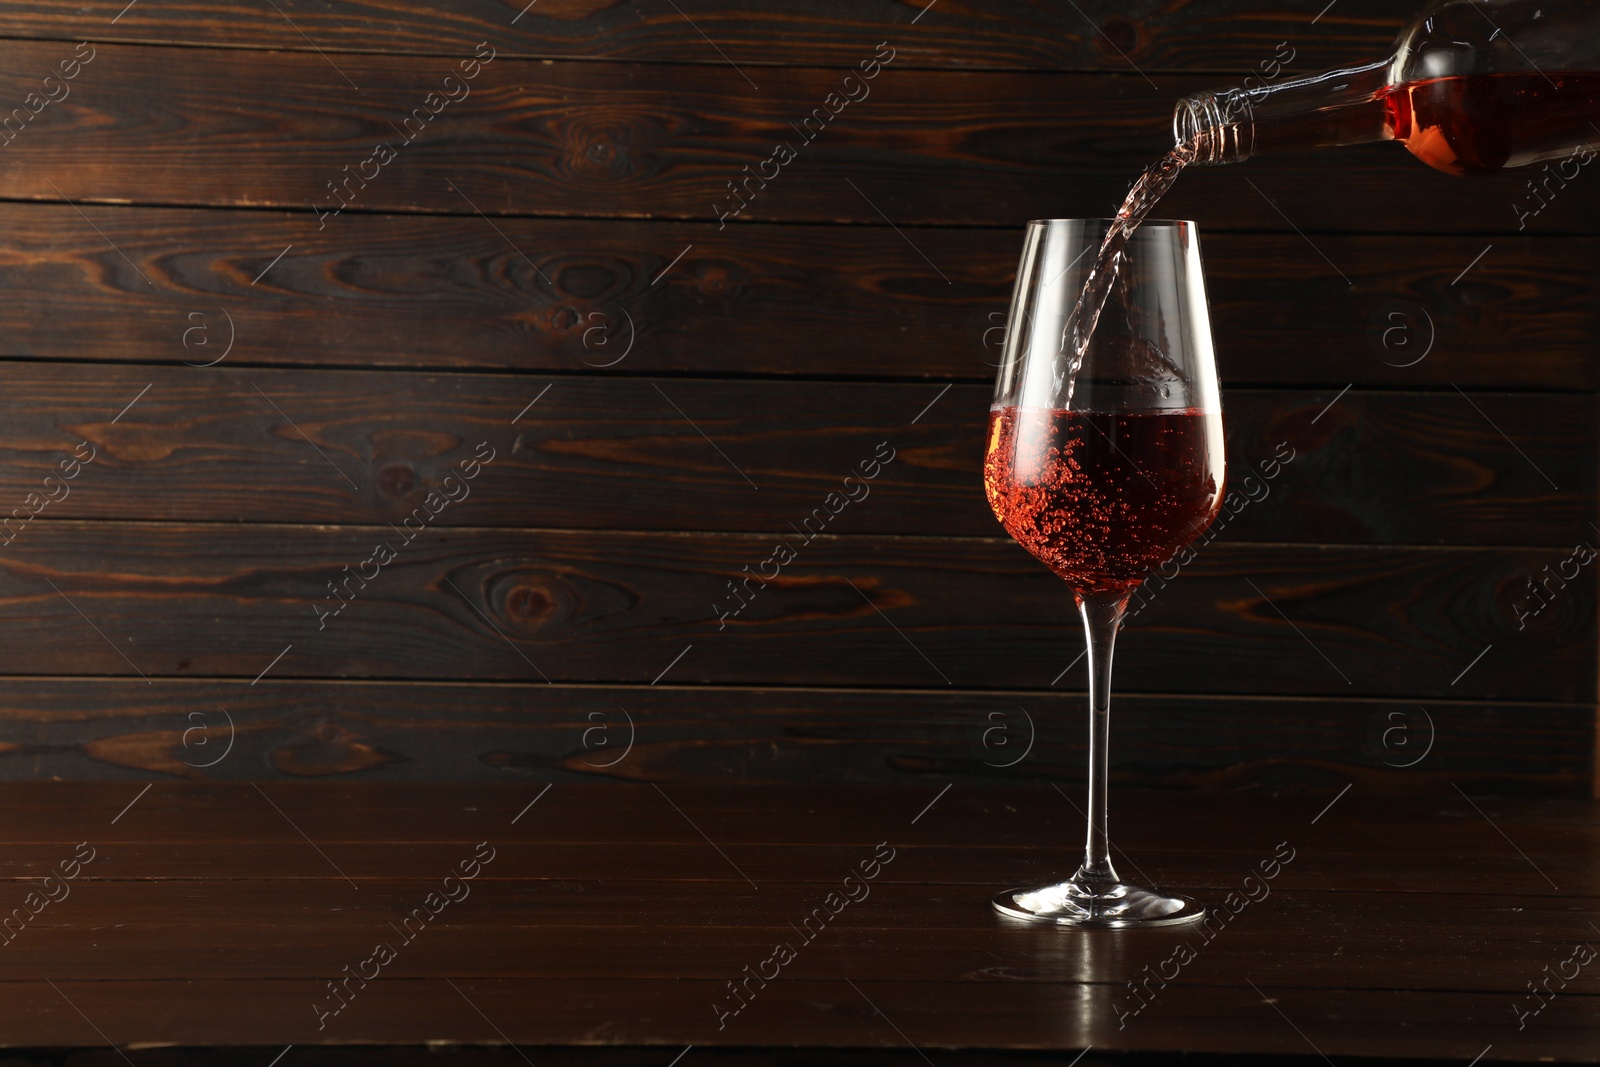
point(1217, 125)
point(1193, 115)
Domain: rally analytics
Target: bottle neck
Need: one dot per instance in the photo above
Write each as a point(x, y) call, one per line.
point(1336, 107)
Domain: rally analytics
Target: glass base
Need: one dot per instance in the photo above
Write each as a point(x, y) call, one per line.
point(1112, 905)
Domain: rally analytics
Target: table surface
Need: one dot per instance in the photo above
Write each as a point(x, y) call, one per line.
point(211, 915)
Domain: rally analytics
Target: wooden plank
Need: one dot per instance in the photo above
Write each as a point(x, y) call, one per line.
point(798, 809)
point(998, 815)
point(628, 453)
point(534, 137)
point(1362, 472)
point(552, 906)
point(499, 1055)
point(1237, 36)
point(1485, 864)
point(813, 813)
point(561, 836)
point(1411, 315)
point(1554, 863)
point(501, 930)
point(445, 1054)
point(799, 1013)
point(1493, 868)
point(103, 728)
point(183, 600)
point(451, 293)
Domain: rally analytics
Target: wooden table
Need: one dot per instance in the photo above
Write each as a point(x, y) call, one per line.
point(209, 917)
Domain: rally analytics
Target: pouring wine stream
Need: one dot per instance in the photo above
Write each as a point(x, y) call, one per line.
point(1152, 185)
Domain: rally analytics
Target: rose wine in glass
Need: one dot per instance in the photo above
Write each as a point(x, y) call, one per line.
point(1105, 457)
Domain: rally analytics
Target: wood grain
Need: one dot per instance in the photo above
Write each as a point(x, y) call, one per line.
point(1236, 36)
point(670, 1015)
point(607, 910)
point(1432, 824)
point(185, 600)
point(449, 1055)
point(587, 932)
point(845, 302)
point(452, 1055)
point(105, 728)
point(370, 447)
point(575, 193)
point(1495, 869)
point(223, 127)
point(549, 837)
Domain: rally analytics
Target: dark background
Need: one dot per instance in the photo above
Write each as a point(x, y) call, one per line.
point(553, 237)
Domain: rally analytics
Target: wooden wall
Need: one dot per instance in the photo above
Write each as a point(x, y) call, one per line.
point(535, 289)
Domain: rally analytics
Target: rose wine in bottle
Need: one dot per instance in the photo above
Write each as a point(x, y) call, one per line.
point(1473, 86)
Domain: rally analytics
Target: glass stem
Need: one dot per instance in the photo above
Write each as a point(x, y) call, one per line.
point(1102, 616)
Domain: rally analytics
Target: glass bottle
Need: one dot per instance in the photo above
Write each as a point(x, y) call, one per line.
point(1473, 86)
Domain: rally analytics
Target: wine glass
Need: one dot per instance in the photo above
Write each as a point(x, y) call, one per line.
point(1104, 467)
